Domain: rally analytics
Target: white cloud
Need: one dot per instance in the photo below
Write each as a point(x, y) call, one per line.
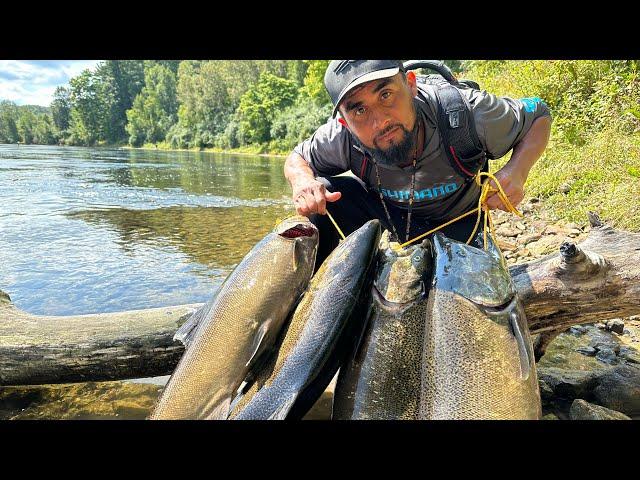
point(33, 82)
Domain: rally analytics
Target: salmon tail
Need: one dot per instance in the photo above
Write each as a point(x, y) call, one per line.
point(221, 412)
point(283, 409)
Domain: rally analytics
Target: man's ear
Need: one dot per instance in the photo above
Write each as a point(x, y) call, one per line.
point(411, 80)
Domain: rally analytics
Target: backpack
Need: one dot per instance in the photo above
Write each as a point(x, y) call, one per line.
point(455, 121)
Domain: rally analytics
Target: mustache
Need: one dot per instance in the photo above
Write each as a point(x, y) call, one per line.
point(388, 129)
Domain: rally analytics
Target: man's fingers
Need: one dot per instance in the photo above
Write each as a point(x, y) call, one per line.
point(494, 202)
point(320, 201)
point(333, 196)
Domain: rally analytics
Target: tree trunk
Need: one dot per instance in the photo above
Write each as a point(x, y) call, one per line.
point(592, 282)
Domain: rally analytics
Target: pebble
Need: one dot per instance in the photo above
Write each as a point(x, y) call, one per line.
point(521, 226)
point(565, 188)
point(507, 231)
point(601, 326)
point(534, 200)
point(532, 237)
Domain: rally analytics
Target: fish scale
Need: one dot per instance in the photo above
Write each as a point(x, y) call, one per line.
point(240, 324)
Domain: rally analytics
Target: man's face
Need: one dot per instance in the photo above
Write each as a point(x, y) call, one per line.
point(381, 114)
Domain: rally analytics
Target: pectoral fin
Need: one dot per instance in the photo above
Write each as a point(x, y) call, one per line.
point(523, 350)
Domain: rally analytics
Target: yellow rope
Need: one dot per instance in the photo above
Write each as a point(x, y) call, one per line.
point(487, 189)
point(335, 225)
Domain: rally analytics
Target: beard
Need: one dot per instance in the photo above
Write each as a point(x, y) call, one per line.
point(397, 153)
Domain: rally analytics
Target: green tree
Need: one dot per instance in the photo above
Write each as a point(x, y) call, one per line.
point(61, 108)
point(259, 105)
point(155, 108)
point(8, 128)
point(314, 81)
point(87, 112)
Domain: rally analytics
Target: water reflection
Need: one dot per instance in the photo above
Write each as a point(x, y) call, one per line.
point(215, 237)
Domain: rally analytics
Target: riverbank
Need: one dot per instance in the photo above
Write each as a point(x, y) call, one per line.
point(257, 150)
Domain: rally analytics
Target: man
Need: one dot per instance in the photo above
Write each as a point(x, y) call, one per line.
point(407, 179)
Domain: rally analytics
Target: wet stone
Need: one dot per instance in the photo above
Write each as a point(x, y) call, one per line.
point(601, 326)
point(583, 410)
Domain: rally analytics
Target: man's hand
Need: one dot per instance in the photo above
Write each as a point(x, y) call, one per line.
point(310, 196)
point(513, 185)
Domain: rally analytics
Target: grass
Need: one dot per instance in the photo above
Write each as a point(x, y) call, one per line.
point(603, 175)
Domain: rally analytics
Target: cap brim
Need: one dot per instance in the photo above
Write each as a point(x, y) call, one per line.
point(389, 72)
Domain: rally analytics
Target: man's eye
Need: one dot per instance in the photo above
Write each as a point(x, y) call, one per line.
point(360, 111)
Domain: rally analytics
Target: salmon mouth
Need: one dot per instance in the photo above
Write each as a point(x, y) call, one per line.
point(298, 231)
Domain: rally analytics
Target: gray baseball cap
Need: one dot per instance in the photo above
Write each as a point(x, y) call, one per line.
point(343, 75)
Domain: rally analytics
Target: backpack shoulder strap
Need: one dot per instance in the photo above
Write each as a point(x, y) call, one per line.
point(457, 127)
point(359, 162)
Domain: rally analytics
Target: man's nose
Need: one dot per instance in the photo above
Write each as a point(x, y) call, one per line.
point(380, 121)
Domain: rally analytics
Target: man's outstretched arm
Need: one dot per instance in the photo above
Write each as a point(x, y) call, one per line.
point(309, 195)
point(525, 154)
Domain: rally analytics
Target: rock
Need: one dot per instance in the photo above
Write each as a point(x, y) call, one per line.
point(616, 326)
point(588, 351)
point(555, 230)
point(578, 330)
point(534, 200)
point(520, 226)
point(629, 354)
point(600, 325)
point(545, 245)
point(506, 231)
point(603, 343)
point(550, 416)
point(573, 226)
point(626, 331)
point(582, 410)
point(526, 208)
point(504, 245)
point(532, 237)
point(607, 355)
point(567, 384)
point(618, 388)
point(499, 219)
point(565, 188)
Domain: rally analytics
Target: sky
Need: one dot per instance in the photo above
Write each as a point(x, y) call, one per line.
point(32, 82)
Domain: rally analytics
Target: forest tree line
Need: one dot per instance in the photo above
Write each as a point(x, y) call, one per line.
point(273, 104)
point(181, 104)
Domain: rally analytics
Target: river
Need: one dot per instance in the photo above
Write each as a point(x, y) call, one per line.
point(91, 230)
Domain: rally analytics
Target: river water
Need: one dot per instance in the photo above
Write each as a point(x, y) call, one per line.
point(85, 230)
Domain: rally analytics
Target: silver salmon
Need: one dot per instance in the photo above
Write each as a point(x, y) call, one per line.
point(447, 339)
point(321, 332)
point(239, 326)
point(477, 360)
point(381, 380)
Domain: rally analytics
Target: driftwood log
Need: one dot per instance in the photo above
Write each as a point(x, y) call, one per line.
point(598, 279)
